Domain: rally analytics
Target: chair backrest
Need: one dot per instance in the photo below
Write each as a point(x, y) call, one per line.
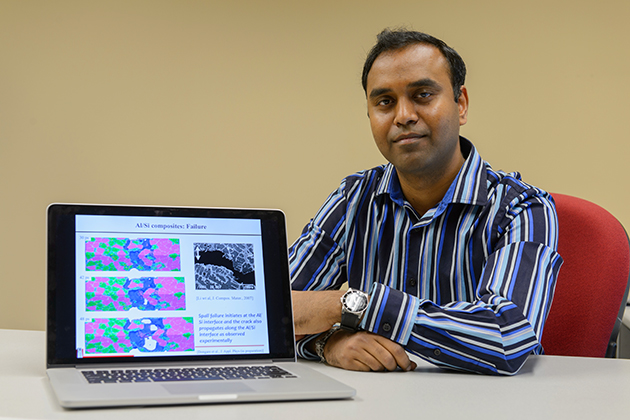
point(592, 287)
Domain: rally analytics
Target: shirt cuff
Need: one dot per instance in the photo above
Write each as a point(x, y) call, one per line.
point(302, 349)
point(390, 313)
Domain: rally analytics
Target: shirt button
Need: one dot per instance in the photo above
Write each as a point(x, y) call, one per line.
point(437, 352)
point(387, 327)
point(412, 282)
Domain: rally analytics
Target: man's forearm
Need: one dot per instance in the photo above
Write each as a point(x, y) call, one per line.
point(316, 311)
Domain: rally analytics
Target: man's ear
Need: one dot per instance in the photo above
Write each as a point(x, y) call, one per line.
point(462, 103)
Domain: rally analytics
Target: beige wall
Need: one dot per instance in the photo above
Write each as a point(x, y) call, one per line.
point(258, 103)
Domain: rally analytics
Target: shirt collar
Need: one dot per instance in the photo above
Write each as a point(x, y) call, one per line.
point(468, 187)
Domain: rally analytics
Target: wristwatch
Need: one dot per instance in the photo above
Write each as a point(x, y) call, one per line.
point(321, 343)
point(353, 305)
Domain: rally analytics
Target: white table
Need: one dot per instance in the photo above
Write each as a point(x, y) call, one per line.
point(548, 387)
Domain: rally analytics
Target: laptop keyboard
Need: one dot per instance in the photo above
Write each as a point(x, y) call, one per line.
point(186, 374)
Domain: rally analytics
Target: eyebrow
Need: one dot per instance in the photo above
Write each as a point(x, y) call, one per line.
point(378, 92)
point(426, 82)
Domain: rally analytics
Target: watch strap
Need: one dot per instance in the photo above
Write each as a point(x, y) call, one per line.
point(349, 321)
point(320, 344)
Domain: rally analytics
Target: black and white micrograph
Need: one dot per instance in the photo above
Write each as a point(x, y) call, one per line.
point(224, 266)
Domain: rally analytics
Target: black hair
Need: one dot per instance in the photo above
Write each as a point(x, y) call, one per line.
point(396, 39)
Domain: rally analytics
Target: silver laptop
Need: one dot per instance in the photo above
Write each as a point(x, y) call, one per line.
point(157, 305)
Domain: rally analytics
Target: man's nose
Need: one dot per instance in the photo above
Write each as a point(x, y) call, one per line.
point(405, 113)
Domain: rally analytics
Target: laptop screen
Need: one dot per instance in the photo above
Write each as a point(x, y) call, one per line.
point(167, 283)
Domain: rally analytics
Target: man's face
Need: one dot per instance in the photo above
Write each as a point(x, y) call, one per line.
point(413, 114)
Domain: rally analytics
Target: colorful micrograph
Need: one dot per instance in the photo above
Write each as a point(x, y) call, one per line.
point(146, 335)
point(125, 254)
point(145, 294)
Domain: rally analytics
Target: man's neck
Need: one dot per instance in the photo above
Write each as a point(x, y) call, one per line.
point(425, 192)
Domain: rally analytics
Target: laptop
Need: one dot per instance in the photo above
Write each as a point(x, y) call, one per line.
point(162, 305)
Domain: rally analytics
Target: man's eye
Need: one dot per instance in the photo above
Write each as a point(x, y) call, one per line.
point(424, 95)
point(384, 102)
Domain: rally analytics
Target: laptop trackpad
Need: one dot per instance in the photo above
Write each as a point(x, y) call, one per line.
point(207, 388)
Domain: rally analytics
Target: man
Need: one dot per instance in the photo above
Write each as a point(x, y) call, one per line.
point(445, 257)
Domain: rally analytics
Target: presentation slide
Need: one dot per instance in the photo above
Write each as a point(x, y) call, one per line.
point(155, 286)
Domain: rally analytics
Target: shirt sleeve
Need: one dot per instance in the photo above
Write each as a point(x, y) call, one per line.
point(496, 332)
point(317, 261)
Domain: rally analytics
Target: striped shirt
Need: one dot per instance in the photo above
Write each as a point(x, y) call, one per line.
point(466, 286)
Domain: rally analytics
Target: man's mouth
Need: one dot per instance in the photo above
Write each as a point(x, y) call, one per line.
point(408, 138)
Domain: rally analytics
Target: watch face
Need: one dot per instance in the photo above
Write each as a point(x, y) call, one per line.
point(356, 301)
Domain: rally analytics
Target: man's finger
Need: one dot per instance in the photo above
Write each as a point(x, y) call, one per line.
point(398, 354)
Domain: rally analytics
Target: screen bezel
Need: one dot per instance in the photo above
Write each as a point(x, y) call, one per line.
point(61, 266)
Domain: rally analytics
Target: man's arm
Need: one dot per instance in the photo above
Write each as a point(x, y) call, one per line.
point(495, 332)
point(316, 303)
point(317, 298)
point(316, 311)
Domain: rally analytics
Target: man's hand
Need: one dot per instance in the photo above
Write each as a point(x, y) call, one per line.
point(316, 312)
point(366, 351)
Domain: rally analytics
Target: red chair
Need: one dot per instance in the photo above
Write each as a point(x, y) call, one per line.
point(592, 287)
